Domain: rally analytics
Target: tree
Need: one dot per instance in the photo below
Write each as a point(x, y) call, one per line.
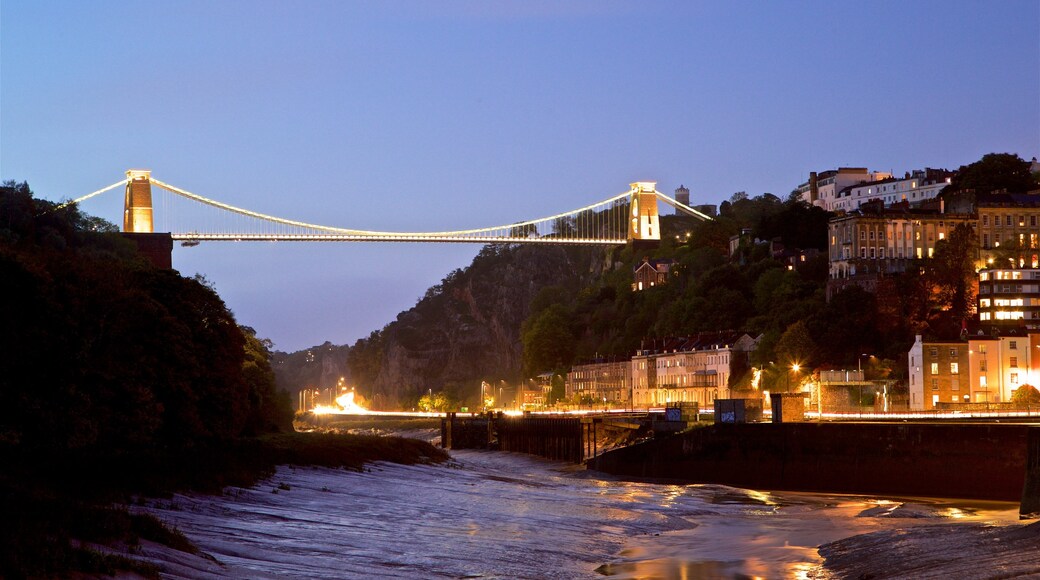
point(796, 346)
point(995, 171)
point(846, 326)
point(951, 278)
point(548, 341)
point(1025, 395)
point(797, 224)
point(270, 409)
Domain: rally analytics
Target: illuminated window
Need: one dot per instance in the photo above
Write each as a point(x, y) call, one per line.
point(935, 368)
point(982, 381)
point(954, 368)
point(982, 348)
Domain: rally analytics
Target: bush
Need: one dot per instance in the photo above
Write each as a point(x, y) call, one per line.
point(1025, 395)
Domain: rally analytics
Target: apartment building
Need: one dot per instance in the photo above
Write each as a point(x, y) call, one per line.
point(823, 187)
point(938, 372)
point(601, 380)
point(1009, 297)
point(695, 369)
point(1009, 229)
point(885, 242)
point(984, 368)
point(913, 189)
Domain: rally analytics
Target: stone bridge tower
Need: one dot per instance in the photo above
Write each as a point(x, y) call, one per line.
point(137, 220)
point(644, 226)
point(137, 209)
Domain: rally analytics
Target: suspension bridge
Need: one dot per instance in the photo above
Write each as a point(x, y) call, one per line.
point(191, 218)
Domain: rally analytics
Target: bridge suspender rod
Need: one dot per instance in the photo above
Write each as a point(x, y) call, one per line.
point(578, 232)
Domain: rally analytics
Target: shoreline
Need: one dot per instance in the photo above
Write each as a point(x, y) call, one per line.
point(1010, 547)
point(853, 554)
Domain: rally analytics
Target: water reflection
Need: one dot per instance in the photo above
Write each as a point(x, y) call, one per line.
point(506, 515)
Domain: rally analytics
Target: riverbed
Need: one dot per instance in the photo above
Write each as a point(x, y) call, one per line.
point(503, 515)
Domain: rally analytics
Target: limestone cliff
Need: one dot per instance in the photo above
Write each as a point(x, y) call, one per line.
point(467, 329)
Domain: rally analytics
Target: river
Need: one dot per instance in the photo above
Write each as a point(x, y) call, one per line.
point(502, 515)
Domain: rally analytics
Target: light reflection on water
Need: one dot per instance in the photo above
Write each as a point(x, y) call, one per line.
point(500, 515)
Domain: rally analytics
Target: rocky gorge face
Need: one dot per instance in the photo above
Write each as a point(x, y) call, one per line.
point(467, 329)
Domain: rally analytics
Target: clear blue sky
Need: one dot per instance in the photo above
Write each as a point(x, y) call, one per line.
point(439, 115)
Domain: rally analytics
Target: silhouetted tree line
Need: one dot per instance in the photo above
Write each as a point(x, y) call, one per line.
point(100, 352)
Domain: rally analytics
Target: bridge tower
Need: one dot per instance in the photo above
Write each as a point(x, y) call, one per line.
point(137, 209)
point(137, 220)
point(644, 225)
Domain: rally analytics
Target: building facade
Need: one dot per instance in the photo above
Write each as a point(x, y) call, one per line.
point(938, 372)
point(985, 368)
point(696, 369)
point(886, 242)
point(1009, 230)
point(1009, 297)
point(650, 273)
point(600, 381)
point(912, 189)
point(823, 187)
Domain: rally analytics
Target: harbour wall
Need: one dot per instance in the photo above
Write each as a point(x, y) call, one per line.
point(969, 461)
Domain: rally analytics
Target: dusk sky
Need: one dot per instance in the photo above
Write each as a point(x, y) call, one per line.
point(428, 116)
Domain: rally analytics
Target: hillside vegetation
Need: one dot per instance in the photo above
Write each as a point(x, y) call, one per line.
point(120, 379)
point(518, 311)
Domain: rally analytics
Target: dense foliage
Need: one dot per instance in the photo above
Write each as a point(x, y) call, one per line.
point(763, 287)
point(995, 172)
point(117, 378)
point(466, 330)
point(568, 305)
point(103, 352)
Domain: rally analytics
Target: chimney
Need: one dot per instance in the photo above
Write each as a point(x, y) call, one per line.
point(814, 190)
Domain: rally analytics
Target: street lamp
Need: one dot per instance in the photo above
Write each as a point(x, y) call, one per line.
point(794, 367)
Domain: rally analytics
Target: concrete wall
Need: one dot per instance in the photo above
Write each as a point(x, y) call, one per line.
point(983, 461)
